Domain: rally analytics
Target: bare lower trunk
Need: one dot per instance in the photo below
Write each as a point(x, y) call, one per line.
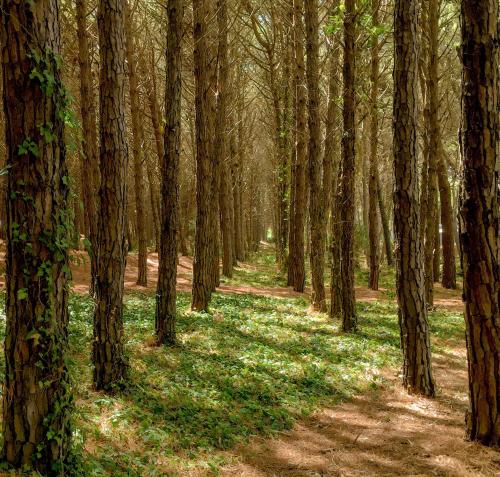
point(417, 371)
point(480, 215)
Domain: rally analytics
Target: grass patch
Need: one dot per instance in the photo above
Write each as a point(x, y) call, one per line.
point(252, 366)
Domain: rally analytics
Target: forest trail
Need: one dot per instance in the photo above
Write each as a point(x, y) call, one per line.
point(385, 432)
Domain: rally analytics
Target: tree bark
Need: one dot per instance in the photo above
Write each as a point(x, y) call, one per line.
point(316, 198)
point(108, 357)
point(220, 150)
point(296, 259)
point(167, 274)
point(373, 227)
point(205, 106)
point(480, 214)
point(385, 222)
point(37, 397)
point(449, 276)
point(434, 140)
point(417, 371)
point(88, 152)
point(137, 151)
point(349, 318)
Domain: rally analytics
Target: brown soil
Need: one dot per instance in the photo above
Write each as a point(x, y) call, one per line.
point(383, 433)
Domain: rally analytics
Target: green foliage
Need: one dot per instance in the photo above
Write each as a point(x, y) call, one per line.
point(251, 366)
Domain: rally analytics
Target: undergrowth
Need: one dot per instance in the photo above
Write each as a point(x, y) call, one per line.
point(251, 366)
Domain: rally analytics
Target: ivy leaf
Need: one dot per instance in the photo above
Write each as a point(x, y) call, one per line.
point(22, 294)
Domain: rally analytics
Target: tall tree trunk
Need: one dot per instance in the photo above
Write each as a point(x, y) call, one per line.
point(373, 228)
point(88, 152)
point(433, 134)
point(385, 222)
point(296, 260)
point(417, 371)
point(37, 397)
point(108, 355)
point(316, 199)
point(137, 151)
point(221, 143)
point(480, 214)
point(205, 106)
point(167, 274)
point(449, 277)
point(349, 319)
point(332, 150)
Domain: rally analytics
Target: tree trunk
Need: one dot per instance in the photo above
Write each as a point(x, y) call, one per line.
point(480, 215)
point(296, 259)
point(385, 222)
point(37, 397)
point(449, 276)
point(205, 106)
point(349, 319)
point(220, 149)
point(137, 150)
point(108, 356)
point(167, 273)
point(417, 371)
point(434, 140)
point(88, 152)
point(316, 198)
point(373, 227)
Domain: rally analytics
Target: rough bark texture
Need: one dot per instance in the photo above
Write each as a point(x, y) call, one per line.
point(88, 152)
point(434, 140)
point(36, 393)
point(349, 319)
point(480, 214)
point(137, 151)
point(373, 227)
point(108, 358)
point(225, 202)
point(296, 259)
point(316, 199)
point(417, 372)
point(205, 105)
point(167, 273)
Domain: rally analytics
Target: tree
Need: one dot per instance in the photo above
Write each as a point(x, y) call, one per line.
point(220, 147)
point(417, 370)
point(205, 107)
point(137, 149)
point(373, 230)
point(88, 152)
point(348, 301)
point(433, 147)
point(108, 355)
point(296, 260)
point(316, 184)
point(37, 396)
point(480, 214)
point(167, 273)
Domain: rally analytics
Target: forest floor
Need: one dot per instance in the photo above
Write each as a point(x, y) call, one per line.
point(263, 386)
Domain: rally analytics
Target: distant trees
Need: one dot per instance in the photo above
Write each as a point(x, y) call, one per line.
point(480, 214)
point(417, 370)
point(36, 394)
point(108, 356)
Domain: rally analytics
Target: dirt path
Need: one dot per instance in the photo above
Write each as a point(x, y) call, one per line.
point(382, 433)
